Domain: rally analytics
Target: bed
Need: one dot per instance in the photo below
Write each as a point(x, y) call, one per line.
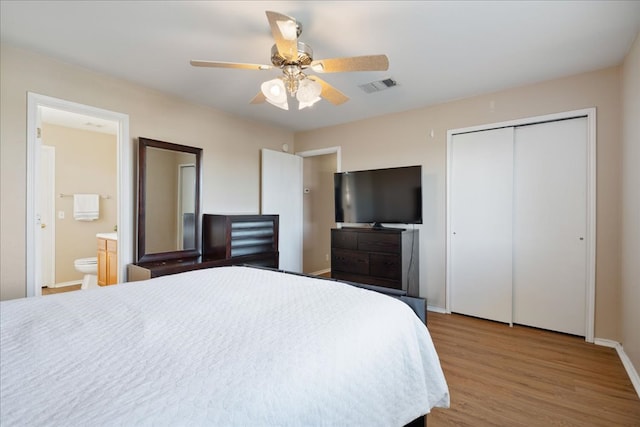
point(227, 346)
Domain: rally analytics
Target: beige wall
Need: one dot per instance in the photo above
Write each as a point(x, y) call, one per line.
point(404, 139)
point(318, 211)
point(86, 162)
point(631, 205)
point(231, 145)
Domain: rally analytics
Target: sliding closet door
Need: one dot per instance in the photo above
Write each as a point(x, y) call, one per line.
point(481, 210)
point(549, 225)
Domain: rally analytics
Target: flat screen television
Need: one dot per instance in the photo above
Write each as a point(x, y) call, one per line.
point(377, 196)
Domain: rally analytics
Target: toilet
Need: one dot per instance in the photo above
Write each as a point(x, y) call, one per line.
point(88, 266)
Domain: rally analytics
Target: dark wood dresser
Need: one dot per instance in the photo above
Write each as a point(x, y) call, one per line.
point(226, 240)
point(386, 257)
point(233, 237)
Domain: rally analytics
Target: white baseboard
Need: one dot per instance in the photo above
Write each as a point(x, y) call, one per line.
point(436, 309)
point(63, 284)
point(606, 343)
point(626, 362)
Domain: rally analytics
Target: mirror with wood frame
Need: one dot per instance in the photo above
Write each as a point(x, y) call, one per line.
point(168, 200)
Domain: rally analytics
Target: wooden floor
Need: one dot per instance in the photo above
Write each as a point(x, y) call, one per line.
point(519, 376)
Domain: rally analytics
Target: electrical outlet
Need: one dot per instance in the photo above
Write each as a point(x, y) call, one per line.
point(60, 214)
point(326, 257)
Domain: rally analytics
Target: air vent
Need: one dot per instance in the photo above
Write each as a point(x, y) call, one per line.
point(378, 85)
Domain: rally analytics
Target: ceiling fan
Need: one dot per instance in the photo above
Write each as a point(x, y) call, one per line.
point(294, 58)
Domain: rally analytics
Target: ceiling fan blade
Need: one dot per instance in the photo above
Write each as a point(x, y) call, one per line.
point(285, 32)
point(330, 93)
point(259, 98)
point(217, 64)
point(353, 63)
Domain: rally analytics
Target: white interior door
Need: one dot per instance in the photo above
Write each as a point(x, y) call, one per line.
point(281, 194)
point(46, 203)
point(550, 225)
point(481, 209)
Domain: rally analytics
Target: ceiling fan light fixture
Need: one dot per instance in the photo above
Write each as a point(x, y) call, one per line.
point(284, 105)
point(302, 105)
point(275, 93)
point(274, 90)
point(308, 93)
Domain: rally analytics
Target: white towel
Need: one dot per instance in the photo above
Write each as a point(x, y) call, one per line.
point(86, 207)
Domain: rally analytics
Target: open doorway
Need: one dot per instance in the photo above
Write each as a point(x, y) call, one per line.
point(85, 162)
point(318, 212)
point(37, 106)
point(318, 208)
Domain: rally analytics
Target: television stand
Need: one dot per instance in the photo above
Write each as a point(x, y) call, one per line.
point(379, 226)
point(375, 226)
point(386, 257)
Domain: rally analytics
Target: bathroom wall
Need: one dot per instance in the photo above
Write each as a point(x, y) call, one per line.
point(86, 162)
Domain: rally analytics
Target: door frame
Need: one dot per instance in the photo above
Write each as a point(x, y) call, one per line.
point(590, 114)
point(322, 151)
point(50, 196)
point(124, 182)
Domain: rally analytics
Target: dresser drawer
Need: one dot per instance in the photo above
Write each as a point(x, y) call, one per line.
point(349, 261)
point(384, 265)
point(379, 242)
point(344, 239)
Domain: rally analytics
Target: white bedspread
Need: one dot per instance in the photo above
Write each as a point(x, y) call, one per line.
point(230, 346)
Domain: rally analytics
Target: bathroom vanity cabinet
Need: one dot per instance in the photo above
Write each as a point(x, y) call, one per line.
point(107, 261)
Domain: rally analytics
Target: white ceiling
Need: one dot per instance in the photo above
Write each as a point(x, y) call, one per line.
point(78, 121)
point(438, 50)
